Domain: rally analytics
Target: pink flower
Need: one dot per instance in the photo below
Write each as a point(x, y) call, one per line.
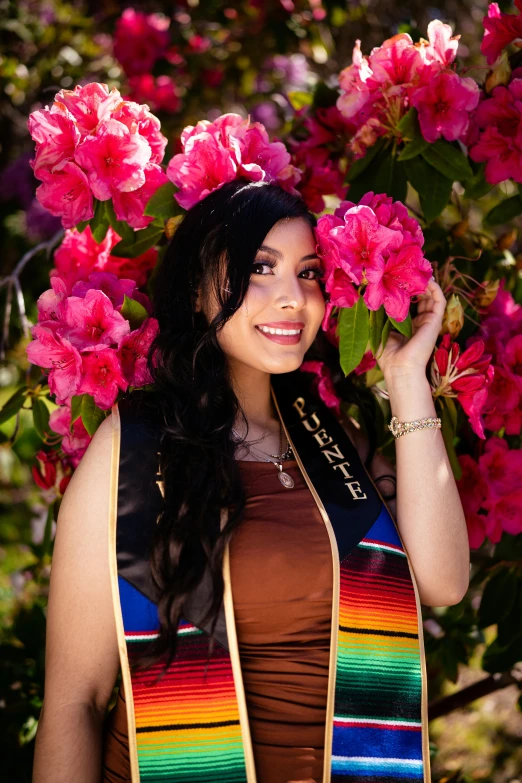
point(217, 152)
point(323, 383)
point(443, 45)
point(500, 30)
point(467, 376)
point(140, 40)
point(56, 136)
point(362, 241)
point(392, 283)
point(130, 207)
point(89, 105)
point(139, 119)
point(51, 304)
point(444, 105)
point(74, 443)
point(504, 403)
point(199, 44)
point(320, 178)
point(473, 491)
point(501, 468)
point(80, 254)
point(113, 287)
point(159, 92)
point(367, 363)
point(389, 213)
point(93, 322)
point(66, 194)
point(44, 473)
point(102, 377)
point(497, 123)
point(512, 358)
point(114, 159)
point(57, 353)
point(134, 351)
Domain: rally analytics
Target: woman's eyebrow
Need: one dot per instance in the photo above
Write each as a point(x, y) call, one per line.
point(279, 255)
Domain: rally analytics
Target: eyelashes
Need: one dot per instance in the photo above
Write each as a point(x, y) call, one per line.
point(271, 265)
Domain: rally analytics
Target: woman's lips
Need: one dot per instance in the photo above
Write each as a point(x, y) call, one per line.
point(282, 339)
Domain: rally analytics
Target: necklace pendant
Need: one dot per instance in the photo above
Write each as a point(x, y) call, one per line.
point(285, 479)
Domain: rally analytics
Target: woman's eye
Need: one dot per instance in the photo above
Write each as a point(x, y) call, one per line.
point(316, 273)
point(261, 265)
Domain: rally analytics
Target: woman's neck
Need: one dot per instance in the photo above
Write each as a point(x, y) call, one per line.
point(252, 388)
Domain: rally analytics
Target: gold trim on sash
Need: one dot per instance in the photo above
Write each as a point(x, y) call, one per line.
point(235, 661)
point(113, 569)
point(424, 676)
point(332, 671)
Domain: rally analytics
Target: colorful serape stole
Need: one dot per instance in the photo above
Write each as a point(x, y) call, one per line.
point(187, 723)
point(377, 735)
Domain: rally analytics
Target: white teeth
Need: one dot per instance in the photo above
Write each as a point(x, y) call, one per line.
point(269, 330)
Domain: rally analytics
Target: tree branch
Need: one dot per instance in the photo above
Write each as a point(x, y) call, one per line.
point(477, 690)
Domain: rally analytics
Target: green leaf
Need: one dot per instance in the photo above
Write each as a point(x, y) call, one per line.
point(40, 417)
point(133, 312)
point(143, 240)
point(299, 99)
point(76, 408)
point(324, 96)
point(391, 179)
point(409, 129)
point(499, 658)
point(361, 164)
point(92, 416)
point(448, 433)
point(162, 204)
point(82, 226)
point(47, 531)
point(404, 327)
point(477, 186)
point(353, 332)
point(434, 188)
point(120, 226)
point(505, 211)
point(377, 320)
point(385, 332)
point(100, 221)
point(13, 404)
point(498, 597)
point(448, 160)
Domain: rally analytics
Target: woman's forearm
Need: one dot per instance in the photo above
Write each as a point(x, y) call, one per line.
point(68, 745)
point(429, 511)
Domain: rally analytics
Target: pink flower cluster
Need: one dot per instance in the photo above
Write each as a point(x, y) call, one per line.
point(495, 134)
point(466, 376)
point(379, 89)
point(158, 92)
point(140, 40)
point(92, 144)
point(323, 383)
point(377, 244)
point(490, 491)
point(321, 174)
point(500, 30)
point(501, 331)
point(218, 152)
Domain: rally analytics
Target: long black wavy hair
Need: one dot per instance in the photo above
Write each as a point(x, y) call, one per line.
point(213, 248)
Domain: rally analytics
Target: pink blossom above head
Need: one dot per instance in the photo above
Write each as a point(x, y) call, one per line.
point(134, 350)
point(93, 322)
point(90, 104)
point(362, 241)
point(49, 349)
point(114, 159)
point(319, 181)
point(138, 119)
point(102, 377)
point(323, 382)
point(130, 207)
point(73, 443)
point(443, 45)
point(393, 283)
point(113, 287)
point(66, 194)
point(499, 31)
point(140, 40)
point(444, 105)
point(56, 136)
point(203, 167)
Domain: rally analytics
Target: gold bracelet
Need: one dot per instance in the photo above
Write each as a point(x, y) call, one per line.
point(399, 428)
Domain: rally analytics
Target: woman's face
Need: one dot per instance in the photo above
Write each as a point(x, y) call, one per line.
point(284, 294)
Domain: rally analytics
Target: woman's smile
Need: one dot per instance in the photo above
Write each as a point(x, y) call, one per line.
point(283, 332)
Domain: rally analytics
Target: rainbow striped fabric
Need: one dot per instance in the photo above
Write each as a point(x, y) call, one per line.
point(187, 724)
point(377, 736)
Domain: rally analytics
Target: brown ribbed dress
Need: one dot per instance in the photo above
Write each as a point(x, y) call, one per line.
point(281, 576)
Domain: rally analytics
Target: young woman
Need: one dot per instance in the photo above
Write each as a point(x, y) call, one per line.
point(223, 544)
